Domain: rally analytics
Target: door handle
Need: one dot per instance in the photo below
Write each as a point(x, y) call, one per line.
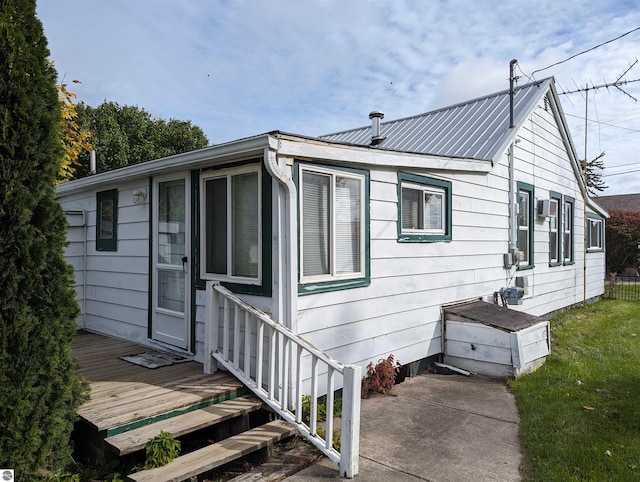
point(184, 264)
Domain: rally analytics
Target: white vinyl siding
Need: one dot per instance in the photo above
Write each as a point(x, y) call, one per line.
point(113, 286)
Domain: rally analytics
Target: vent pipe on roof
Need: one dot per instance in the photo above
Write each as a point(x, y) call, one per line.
point(376, 132)
point(92, 161)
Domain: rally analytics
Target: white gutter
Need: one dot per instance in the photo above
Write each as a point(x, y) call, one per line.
point(315, 149)
point(286, 233)
point(512, 201)
point(208, 156)
point(85, 258)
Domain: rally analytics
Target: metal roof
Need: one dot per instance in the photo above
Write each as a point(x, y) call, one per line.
point(477, 129)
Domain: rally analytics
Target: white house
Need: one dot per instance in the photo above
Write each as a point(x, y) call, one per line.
point(277, 255)
point(354, 241)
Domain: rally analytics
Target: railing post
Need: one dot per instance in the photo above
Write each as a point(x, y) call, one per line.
point(210, 328)
point(350, 434)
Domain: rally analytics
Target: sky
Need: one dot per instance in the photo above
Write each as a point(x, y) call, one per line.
point(239, 68)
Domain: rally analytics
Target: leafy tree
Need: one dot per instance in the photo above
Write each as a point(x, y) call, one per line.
point(74, 139)
point(40, 388)
point(123, 135)
point(622, 240)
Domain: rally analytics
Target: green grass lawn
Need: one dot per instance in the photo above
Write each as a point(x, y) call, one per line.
point(580, 412)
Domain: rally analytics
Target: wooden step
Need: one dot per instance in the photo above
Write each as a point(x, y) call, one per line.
point(138, 438)
point(212, 456)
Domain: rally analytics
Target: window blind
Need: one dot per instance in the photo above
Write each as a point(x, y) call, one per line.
point(245, 219)
point(315, 228)
point(347, 213)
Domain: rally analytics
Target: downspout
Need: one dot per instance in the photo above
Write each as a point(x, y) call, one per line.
point(85, 255)
point(512, 201)
point(287, 236)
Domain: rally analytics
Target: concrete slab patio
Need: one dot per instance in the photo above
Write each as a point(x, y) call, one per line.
point(437, 428)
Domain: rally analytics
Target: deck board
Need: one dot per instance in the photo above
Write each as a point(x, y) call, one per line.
point(123, 393)
point(137, 439)
point(212, 456)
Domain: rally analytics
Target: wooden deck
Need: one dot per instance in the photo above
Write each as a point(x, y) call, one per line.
point(125, 396)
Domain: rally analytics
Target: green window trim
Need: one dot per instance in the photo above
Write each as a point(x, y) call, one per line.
point(572, 231)
point(599, 219)
point(530, 190)
point(338, 283)
point(107, 220)
point(264, 288)
point(439, 185)
point(555, 196)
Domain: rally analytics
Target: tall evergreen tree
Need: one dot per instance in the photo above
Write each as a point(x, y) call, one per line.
point(40, 388)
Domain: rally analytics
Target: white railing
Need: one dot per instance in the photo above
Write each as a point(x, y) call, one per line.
point(281, 368)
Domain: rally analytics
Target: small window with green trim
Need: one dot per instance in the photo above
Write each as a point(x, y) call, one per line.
point(567, 223)
point(525, 226)
point(107, 221)
point(424, 209)
point(555, 226)
point(595, 233)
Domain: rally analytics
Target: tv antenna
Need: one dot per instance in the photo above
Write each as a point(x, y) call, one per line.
point(617, 84)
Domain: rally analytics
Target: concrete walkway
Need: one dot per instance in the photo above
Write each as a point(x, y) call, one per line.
point(438, 428)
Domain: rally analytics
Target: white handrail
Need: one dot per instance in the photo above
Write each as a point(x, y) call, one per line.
point(236, 340)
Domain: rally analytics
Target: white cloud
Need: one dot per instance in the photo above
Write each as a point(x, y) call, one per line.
point(239, 68)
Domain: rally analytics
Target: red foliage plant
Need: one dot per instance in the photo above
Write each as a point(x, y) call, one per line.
point(382, 376)
point(622, 240)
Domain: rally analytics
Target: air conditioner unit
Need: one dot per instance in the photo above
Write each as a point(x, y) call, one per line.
point(544, 208)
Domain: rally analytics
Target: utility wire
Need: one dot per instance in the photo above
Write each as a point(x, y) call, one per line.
point(620, 173)
point(581, 128)
point(585, 51)
point(623, 165)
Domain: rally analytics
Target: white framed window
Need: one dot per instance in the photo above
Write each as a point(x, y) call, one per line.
point(524, 240)
point(333, 234)
point(424, 208)
point(555, 229)
point(231, 224)
point(595, 228)
point(554, 240)
point(567, 230)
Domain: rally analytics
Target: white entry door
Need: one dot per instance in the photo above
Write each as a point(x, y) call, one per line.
point(170, 266)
